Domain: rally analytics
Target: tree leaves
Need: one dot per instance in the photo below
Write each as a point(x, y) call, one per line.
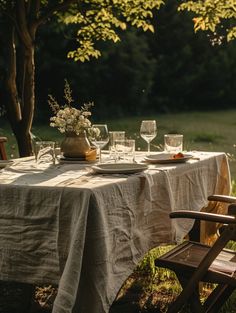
point(210, 15)
point(102, 19)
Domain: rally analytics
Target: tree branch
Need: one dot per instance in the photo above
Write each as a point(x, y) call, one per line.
point(34, 9)
point(12, 104)
point(22, 23)
point(8, 14)
point(12, 18)
point(57, 8)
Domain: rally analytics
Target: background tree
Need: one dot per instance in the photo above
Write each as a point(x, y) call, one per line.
point(20, 20)
point(217, 16)
point(119, 82)
point(192, 73)
point(172, 70)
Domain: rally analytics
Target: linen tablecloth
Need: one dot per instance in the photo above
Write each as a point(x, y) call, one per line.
point(63, 225)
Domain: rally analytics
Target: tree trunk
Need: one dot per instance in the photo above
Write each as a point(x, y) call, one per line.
point(20, 20)
point(19, 85)
point(27, 86)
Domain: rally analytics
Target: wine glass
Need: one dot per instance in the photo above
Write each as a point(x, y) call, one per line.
point(99, 137)
point(148, 131)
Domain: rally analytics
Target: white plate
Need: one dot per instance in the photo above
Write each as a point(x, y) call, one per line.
point(166, 158)
point(120, 168)
point(4, 163)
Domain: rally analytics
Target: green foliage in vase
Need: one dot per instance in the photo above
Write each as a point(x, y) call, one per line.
point(213, 15)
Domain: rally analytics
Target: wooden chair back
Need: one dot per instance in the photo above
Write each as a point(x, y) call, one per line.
point(194, 262)
point(3, 154)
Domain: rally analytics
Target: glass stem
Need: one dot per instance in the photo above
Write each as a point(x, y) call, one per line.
point(149, 147)
point(100, 155)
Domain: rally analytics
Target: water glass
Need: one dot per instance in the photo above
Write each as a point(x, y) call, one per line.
point(45, 152)
point(173, 143)
point(125, 150)
point(113, 136)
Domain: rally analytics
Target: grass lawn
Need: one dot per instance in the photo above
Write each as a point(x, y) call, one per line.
point(208, 131)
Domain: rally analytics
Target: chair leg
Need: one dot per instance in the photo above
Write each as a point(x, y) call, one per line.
point(195, 303)
point(192, 299)
point(197, 275)
point(217, 298)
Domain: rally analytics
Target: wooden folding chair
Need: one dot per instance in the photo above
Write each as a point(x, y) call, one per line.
point(3, 154)
point(194, 262)
point(222, 198)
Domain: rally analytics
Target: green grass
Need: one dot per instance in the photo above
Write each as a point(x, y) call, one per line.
point(208, 131)
point(157, 288)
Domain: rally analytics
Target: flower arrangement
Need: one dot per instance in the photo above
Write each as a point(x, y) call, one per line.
point(67, 118)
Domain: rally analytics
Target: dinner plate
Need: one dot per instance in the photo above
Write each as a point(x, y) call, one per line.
point(167, 158)
point(120, 168)
point(4, 163)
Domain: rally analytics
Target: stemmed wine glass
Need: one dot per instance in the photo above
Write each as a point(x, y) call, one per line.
point(148, 131)
point(99, 137)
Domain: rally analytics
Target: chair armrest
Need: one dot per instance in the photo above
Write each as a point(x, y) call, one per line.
point(222, 198)
point(3, 139)
point(204, 216)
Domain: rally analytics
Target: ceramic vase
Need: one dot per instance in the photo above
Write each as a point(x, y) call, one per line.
point(75, 146)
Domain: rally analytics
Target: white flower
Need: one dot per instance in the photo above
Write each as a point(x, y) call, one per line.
point(71, 119)
point(68, 118)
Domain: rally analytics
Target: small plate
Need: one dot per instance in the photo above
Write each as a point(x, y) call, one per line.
point(4, 163)
point(71, 159)
point(119, 168)
point(166, 158)
point(64, 160)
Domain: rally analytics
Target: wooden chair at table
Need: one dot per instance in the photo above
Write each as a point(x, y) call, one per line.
point(3, 154)
point(194, 262)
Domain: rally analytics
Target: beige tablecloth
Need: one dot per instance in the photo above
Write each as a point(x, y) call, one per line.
point(63, 225)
